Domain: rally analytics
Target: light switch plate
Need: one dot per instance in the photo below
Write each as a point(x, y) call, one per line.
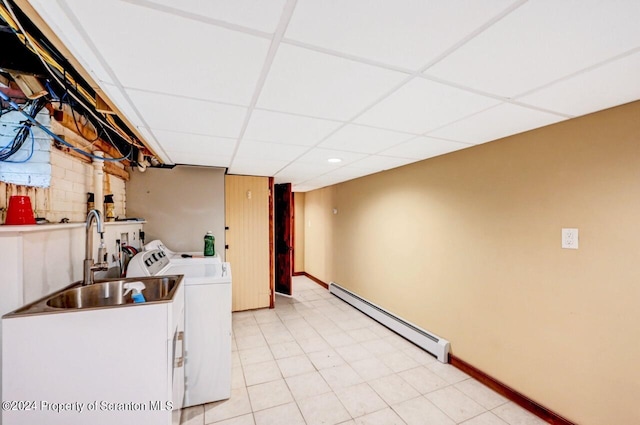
point(570, 238)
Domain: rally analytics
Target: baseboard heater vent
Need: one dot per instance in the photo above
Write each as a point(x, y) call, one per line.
point(427, 341)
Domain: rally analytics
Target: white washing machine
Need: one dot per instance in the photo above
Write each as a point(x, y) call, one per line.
point(186, 257)
point(207, 309)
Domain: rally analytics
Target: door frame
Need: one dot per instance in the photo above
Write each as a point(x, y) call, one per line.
point(272, 275)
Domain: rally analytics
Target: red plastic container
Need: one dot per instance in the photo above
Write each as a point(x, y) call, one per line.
point(20, 211)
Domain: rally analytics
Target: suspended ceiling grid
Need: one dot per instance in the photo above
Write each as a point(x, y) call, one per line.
point(279, 87)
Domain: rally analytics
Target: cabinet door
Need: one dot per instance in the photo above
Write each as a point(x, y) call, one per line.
point(248, 237)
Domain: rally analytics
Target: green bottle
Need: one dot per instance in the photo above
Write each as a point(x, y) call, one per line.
point(209, 244)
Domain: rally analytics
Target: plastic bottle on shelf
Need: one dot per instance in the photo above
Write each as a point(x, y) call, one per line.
point(209, 244)
point(109, 208)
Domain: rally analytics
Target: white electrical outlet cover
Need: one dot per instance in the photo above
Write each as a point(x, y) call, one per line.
point(570, 238)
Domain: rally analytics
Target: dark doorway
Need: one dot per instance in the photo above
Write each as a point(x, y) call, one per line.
point(283, 223)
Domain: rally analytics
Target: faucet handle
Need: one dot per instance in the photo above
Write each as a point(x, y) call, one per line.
point(102, 263)
point(102, 254)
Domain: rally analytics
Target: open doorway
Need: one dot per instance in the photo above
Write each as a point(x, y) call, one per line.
point(283, 228)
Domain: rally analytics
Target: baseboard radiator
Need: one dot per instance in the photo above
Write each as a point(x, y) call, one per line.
point(429, 342)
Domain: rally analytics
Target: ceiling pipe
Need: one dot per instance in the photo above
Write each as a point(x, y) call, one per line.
point(15, 94)
point(142, 162)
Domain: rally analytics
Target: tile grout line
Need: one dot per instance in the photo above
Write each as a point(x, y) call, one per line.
point(320, 310)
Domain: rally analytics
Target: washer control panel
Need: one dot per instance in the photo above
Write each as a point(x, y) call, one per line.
point(147, 263)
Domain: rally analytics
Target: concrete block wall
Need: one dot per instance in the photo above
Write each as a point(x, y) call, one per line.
point(56, 182)
point(71, 180)
point(37, 171)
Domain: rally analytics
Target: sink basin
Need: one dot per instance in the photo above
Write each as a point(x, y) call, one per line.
point(110, 293)
point(103, 294)
point(97, 295)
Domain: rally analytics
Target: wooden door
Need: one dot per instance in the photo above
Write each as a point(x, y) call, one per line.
point(247, 215)
point(283, 221)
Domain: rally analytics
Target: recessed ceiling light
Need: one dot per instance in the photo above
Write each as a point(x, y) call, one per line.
point(334, 160)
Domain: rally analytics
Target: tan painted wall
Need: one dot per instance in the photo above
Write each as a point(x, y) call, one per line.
point(180, 205)
point(298, 232)
point(468, 246)
point(319, 233)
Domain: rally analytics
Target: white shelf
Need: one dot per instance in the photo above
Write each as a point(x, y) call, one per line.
point(49, 227)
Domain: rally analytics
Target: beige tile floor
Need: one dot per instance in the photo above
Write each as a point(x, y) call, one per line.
point(316, 360)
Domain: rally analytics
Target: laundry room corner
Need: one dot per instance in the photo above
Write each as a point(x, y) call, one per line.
point(180, 205)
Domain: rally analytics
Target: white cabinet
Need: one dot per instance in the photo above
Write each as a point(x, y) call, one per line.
point(102, 367)
point(38, 260)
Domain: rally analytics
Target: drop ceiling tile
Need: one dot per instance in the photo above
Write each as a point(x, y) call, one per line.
point(350, 172)
point(423, 148)
point(180, 157)
point(298, 172)
point(300, 187)
point(151, 141)
point(256, 14)
point(277, 127)
point(403, 33)
point(269, 151)
point(533, 46)
point(422, 105)
point(59, 22)
point(195, 144)
point(376, 163)
point(168, 112)
point(321, 156)
point(114, 94)
point(256, 167)
point(609, 85)
point(495, 123)
point(357, 138)
point(337, 175)
point(148, 49)
point(327, 180)
point(321, 85)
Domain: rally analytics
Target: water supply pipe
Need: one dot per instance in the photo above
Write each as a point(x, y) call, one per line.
point(98, 181)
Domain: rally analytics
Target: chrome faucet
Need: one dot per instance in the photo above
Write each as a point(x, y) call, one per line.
point(89, 265)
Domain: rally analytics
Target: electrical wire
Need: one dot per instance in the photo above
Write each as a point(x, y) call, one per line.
point(75, 121)
point(23, 132)
point(33, 145)
point(130, 250)
point(52, 93)
point(50, 63)
point(56, 137)
point(61, 101)
point(14, 146)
